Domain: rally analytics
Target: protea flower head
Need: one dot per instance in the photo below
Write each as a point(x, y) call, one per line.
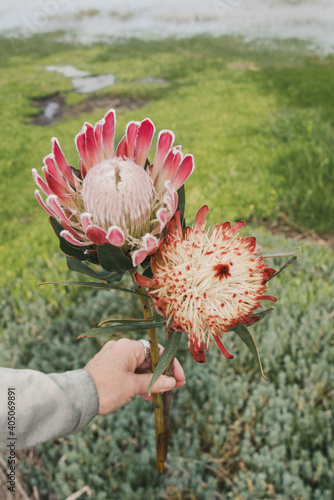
point(115, 197)
point(206, 282)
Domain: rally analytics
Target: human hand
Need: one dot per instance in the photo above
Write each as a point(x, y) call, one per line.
point(120, 372)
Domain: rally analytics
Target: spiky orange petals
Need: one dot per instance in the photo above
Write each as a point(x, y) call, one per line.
point(142, 280)
point(269, 272)
point(222, 348)
point(157, 260)
point(268, 297)
point(207, 283)
point(174, 227)
point(197, 352)
point(201, 216)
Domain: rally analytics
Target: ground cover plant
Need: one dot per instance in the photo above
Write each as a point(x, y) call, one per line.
point(259, 121)
point(250, 439)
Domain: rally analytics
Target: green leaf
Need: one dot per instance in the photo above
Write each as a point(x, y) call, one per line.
point(245, 335)
point(182, 204)
point(110, 277)
point(291, 261)
point(286, 252)
point(148, 273)
point(66, 247)
point(132, 322)
point(92, 284)
point(76, 265)
point(122, 328)
point(166, 357)
point(113, 259)
point(260, 315)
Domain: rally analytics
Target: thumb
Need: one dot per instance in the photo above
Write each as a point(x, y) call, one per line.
point(141, 383)
point(163, 384)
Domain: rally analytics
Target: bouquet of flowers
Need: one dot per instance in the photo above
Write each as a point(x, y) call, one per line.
point(119, 213)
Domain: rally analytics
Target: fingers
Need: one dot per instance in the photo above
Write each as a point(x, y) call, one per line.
point(178, 373)
point(114, 372)
point(178, 370)
point(146, 364)
point(140, 383)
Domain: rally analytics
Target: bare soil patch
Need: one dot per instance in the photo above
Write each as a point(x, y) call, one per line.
point(60, 110)
point(281, 227)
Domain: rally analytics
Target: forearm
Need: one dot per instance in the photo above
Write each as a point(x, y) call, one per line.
point(46, 406)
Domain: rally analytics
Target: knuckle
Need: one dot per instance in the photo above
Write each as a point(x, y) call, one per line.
point(109, 344)
point(124, 342)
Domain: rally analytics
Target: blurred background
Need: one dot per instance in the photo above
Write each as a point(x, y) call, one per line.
point(92, 20)
point(247, 88)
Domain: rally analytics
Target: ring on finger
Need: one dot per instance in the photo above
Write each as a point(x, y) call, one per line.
point(146, 346)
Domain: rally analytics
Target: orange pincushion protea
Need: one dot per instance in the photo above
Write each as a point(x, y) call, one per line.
point(115, 197)
point(206, 282)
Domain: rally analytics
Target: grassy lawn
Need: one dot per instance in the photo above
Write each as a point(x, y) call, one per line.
point(259, 120)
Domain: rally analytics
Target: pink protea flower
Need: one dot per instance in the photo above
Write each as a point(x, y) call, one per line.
point(115, 197)
point(206, 282)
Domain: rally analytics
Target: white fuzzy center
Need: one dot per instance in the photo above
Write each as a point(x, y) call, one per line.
point(119, 192)
point(209, 283)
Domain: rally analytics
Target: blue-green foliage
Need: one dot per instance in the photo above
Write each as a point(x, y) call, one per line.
point(234, 436)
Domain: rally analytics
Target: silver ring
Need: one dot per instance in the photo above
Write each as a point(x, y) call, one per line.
point(146, 345)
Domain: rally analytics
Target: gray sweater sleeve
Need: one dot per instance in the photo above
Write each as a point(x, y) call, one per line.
point(42, 407)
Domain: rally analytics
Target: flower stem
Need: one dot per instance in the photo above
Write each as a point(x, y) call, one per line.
point(161, 443)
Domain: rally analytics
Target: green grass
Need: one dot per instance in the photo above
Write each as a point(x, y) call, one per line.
point(262, 138)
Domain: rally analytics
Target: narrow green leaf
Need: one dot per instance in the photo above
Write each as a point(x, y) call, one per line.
point(182, 204)
point(121, 328)
point(286, 252)
point(291, 261)
point(260, 315)
point(76, 265)
point(110, 277)
point(88, 284)
point(166, 357)
point(135, 321)
point(66, 247)
point(113, 259)
point(245, 335)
